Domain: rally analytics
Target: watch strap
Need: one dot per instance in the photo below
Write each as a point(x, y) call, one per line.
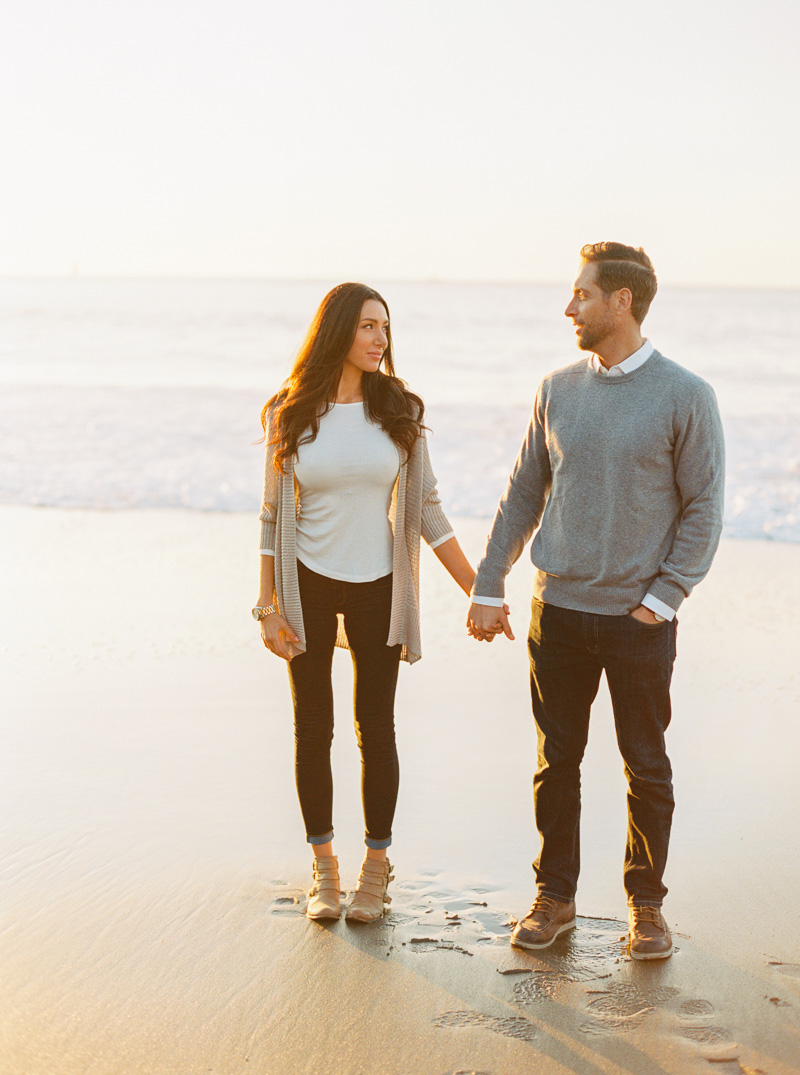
point(261, 611)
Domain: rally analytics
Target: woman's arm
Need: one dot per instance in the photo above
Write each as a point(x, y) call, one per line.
point(276, 633)
point(452, 557)
point(436, 530)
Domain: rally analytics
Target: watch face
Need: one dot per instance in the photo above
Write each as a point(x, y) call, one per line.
point(256, 614)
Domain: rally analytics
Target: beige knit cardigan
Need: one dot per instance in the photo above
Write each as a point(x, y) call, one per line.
point(415, 511)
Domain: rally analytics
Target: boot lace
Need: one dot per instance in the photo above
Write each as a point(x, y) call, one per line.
point(545, 904)
point(647, 914)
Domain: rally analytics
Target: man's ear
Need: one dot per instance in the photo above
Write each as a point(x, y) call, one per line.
point(623, 300)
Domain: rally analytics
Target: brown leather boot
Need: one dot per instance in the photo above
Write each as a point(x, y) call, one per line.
point(324, 896)
point(370, 900)
point(649, 933)
point(543, 923)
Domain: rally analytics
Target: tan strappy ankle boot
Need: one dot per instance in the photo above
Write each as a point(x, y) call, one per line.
point(324, 896)
point(370, 900)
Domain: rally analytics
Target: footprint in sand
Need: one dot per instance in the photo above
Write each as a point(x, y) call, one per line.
point(612, 1025)
point(286, 905)
point(510, 1026)
point(695, 1011)
point(398, 918)
point(708, 1035)
point(695, 1018)
point(620, 1014)
point(622, 1007)
point(622, 1002)
point(432, 944)
point(541, 985)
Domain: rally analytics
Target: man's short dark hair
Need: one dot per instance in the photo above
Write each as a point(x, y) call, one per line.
point(624, 266)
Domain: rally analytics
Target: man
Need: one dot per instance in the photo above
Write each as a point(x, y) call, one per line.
point(621, 470)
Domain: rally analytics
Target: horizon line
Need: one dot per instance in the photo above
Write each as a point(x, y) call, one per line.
point(434, 280)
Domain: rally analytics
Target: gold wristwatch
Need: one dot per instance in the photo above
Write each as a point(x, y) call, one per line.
point(260, 611)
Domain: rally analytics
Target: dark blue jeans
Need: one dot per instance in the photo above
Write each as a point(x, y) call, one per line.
point(569, 651)
point(366, 608)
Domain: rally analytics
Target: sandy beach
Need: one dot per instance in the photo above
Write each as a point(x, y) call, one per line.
point(153, 863)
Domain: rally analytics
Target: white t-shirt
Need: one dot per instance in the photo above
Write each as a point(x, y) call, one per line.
point(345, 479)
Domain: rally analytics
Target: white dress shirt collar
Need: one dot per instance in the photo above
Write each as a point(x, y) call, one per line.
point(631, 363)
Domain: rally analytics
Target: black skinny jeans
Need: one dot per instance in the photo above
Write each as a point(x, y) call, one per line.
point(366, 607)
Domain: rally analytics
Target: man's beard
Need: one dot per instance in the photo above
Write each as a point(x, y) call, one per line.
point(591, 337)
point(588, 341)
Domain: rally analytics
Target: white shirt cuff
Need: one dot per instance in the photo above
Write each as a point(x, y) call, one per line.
point(441, 540)
point(267, 552)
point(495, 602)
point(658, 607)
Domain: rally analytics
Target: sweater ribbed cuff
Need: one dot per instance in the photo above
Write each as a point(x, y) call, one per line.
point(668, 592)
point(489, 583)
point(436, 527)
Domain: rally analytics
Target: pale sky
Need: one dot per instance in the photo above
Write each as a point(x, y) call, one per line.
point(449, 139)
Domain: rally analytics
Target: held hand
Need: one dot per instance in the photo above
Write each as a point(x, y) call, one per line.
point(486, 621)
point(278, 636)
point(644, 615)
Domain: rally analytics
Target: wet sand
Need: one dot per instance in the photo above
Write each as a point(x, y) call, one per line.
point(152, 863)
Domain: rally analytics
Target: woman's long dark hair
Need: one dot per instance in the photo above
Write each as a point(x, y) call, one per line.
point(310, 390)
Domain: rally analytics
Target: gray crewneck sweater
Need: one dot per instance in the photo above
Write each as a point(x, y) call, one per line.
point(623, 476)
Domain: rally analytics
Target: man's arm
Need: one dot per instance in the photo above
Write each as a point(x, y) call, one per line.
point(700, 477)
point(518, 515)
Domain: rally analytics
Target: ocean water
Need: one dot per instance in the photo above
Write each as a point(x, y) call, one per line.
point(147, 393)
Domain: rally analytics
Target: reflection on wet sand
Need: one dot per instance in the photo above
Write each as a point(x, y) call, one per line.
point(585, 988)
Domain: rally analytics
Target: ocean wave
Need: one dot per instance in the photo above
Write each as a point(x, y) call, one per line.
point(197, 449)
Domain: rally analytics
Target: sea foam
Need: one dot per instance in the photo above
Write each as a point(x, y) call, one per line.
point(147, 394)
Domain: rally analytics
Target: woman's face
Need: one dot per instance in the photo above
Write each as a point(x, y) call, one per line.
point(372, 338)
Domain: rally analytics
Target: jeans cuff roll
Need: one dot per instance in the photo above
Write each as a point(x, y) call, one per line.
point(326, 839)
point(377, 845)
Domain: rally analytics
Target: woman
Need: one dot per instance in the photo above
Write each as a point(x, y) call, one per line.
point(348, 490)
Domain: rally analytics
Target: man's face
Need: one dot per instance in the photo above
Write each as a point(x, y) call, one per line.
point(590, 310)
